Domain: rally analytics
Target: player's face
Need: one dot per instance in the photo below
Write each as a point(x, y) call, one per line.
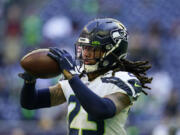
point(91, 54)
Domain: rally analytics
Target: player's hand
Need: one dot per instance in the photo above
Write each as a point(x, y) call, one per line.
point(64, 59)
point(28, 78)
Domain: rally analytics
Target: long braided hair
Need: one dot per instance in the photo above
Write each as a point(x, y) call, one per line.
point(138, 68)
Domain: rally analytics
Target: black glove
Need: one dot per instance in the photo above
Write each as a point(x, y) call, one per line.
point(28, 78)
point(63, 58)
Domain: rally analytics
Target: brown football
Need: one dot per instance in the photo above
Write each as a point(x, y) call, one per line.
point(39, 64)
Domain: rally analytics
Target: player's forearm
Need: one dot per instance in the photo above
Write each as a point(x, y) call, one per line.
point(31, 98)
point(27, 94)
point(100, 108)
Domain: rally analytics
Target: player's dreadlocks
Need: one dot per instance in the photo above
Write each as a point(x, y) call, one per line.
point(137, 68)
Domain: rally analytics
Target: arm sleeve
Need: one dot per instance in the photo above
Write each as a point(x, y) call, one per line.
point(30, 98)
point(100, 108)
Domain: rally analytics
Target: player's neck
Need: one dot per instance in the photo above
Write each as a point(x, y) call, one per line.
point(93, 75)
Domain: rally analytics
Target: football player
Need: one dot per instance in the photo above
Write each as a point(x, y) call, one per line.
point(100, 96)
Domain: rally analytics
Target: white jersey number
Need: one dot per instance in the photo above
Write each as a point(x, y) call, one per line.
point(81, 123)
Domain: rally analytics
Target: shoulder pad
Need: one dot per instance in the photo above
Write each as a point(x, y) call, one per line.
point(126, 82)
point(125, 75)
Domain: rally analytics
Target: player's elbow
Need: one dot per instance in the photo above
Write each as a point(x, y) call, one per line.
point(105, 112)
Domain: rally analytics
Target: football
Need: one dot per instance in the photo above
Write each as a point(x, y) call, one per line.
point(39, 64)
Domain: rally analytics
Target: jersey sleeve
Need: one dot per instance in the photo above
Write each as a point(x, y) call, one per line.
point(126, 83)
point(65, 88)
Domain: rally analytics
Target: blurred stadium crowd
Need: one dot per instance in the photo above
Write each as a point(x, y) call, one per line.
point(154, 30)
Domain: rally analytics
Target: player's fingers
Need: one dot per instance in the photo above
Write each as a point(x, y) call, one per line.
point(65, 51)
point(67, 54)
point(55, 51)
point(61, 52)
point(54, 57)
point(58, 50)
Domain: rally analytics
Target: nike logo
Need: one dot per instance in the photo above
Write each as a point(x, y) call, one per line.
point(137, 85)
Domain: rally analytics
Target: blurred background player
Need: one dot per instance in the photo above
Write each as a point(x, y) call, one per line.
point(101, 89)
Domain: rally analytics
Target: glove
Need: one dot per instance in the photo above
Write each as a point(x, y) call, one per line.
point(28, 78)
point(63, 58)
